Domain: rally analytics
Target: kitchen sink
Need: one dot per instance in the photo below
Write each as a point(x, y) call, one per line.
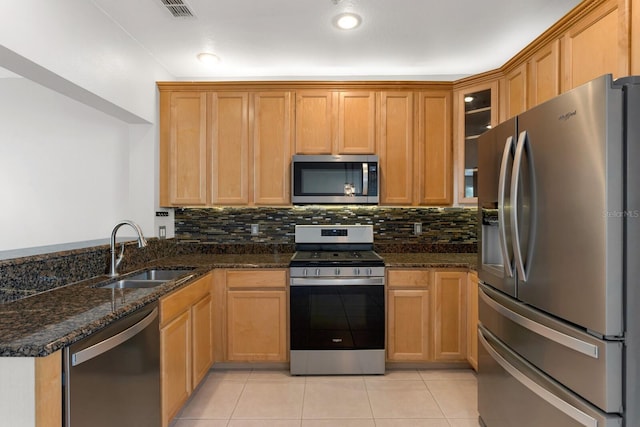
point(162, 275)
point(148, 279)
point(132, 284)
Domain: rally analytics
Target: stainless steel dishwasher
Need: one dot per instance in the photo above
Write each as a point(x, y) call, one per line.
point(112, 377)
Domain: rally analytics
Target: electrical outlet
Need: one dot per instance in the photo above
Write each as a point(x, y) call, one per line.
point(162, 232)
point(255, 229)
point(417, 228)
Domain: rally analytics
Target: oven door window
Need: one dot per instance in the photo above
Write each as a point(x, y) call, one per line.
point(337, 317)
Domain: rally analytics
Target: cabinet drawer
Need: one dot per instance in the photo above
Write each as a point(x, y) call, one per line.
point(182, 299)
point(408, 278)
point(256, 278)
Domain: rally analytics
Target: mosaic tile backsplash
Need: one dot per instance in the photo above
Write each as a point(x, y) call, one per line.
point(276, 225)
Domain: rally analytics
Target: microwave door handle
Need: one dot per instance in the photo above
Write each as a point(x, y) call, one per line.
point(502, 182)
point(365, 179)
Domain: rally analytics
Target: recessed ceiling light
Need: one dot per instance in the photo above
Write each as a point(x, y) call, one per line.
point(347, 21)
point(208, 58)
point(468, 98)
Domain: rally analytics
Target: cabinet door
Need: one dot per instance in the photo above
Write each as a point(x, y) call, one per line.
point(256, 325)
point(183, 149)
point(449, 309)
point(472, 320)
point(229, 120)
point(476, 110)
point(516, 88)
point(597, 44)
point(272, 145)
point(544, 76)
point(396, 148)
point(314, 122)
point(175, 366)
point(356, 123)
point(435, 149)
point(408, 324)
point(201, 321)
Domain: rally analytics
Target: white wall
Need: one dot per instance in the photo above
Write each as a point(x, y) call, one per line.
point(64, 168)
point(79, 156)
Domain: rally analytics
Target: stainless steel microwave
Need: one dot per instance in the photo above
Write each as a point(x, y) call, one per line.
point(340, 179)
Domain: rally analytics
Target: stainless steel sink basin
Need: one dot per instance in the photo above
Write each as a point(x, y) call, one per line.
point(131, 284)
point(162, 275)
point(148, 279)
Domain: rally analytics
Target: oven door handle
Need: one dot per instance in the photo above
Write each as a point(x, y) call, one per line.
point(337, 281)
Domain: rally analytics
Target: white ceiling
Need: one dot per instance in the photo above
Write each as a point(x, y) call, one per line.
point(294, 39)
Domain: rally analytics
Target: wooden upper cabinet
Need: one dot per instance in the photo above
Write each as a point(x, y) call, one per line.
point(396, 148)
point(229, 121)
point(597, 44)
point(314, 133)
point(544, 74)
point(183, 148)
point(516, 91)
point(272, 147)
point(356, 123)
point(476, 110)
point(435, 148)
point(334, 122)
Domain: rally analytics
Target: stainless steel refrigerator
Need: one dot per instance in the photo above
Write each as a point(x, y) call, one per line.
point(559, 261)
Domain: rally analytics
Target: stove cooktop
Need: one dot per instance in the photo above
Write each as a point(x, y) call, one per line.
point(369, 258)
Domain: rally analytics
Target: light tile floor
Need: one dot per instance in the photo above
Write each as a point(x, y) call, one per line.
point(401, 398)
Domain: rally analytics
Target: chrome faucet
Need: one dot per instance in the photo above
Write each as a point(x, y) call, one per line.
point(142, 242)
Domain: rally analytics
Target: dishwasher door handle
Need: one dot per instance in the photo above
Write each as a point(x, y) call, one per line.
point(114, 341)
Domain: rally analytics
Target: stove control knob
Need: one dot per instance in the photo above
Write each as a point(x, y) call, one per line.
point(369, 271)
point(317, 272)
point(356, 271)
point(305, 273)
point(337, 271)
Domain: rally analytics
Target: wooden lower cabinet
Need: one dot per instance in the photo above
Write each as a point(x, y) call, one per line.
point(426, 315)
point(48, 390)
point(408, 324)
point(186, 350)
point(256, 315)
point(472, 320)
point(450, 316)
point(175, 350)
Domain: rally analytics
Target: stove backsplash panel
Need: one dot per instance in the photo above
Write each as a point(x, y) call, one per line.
point(392, 226)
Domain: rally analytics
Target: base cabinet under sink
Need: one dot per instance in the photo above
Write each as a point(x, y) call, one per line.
point(186, 344)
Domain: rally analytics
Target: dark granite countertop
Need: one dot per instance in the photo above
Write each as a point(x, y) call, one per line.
point(430, 260)
point(49, 321)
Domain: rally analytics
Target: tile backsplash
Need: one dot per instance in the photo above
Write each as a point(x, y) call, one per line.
point(276, 225)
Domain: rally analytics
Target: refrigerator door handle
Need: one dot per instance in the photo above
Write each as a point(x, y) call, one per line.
point(571, 411)
point(515, 233)
point(502, 188)
point(542, 330)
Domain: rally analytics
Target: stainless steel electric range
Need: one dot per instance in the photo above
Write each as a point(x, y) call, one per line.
point(337, 307)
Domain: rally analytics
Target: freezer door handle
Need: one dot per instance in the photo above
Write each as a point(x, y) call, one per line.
point(114, 341)
point(502, 188)
point(542, 330)
point(521, 146)
point(571, 411)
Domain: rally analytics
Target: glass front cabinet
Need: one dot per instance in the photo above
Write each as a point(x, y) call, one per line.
point(476, 113)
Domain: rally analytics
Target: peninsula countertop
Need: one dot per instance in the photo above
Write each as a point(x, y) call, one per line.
point(49, 321)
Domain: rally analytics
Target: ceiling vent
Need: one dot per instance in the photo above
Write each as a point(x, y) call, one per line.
point(178, 8)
